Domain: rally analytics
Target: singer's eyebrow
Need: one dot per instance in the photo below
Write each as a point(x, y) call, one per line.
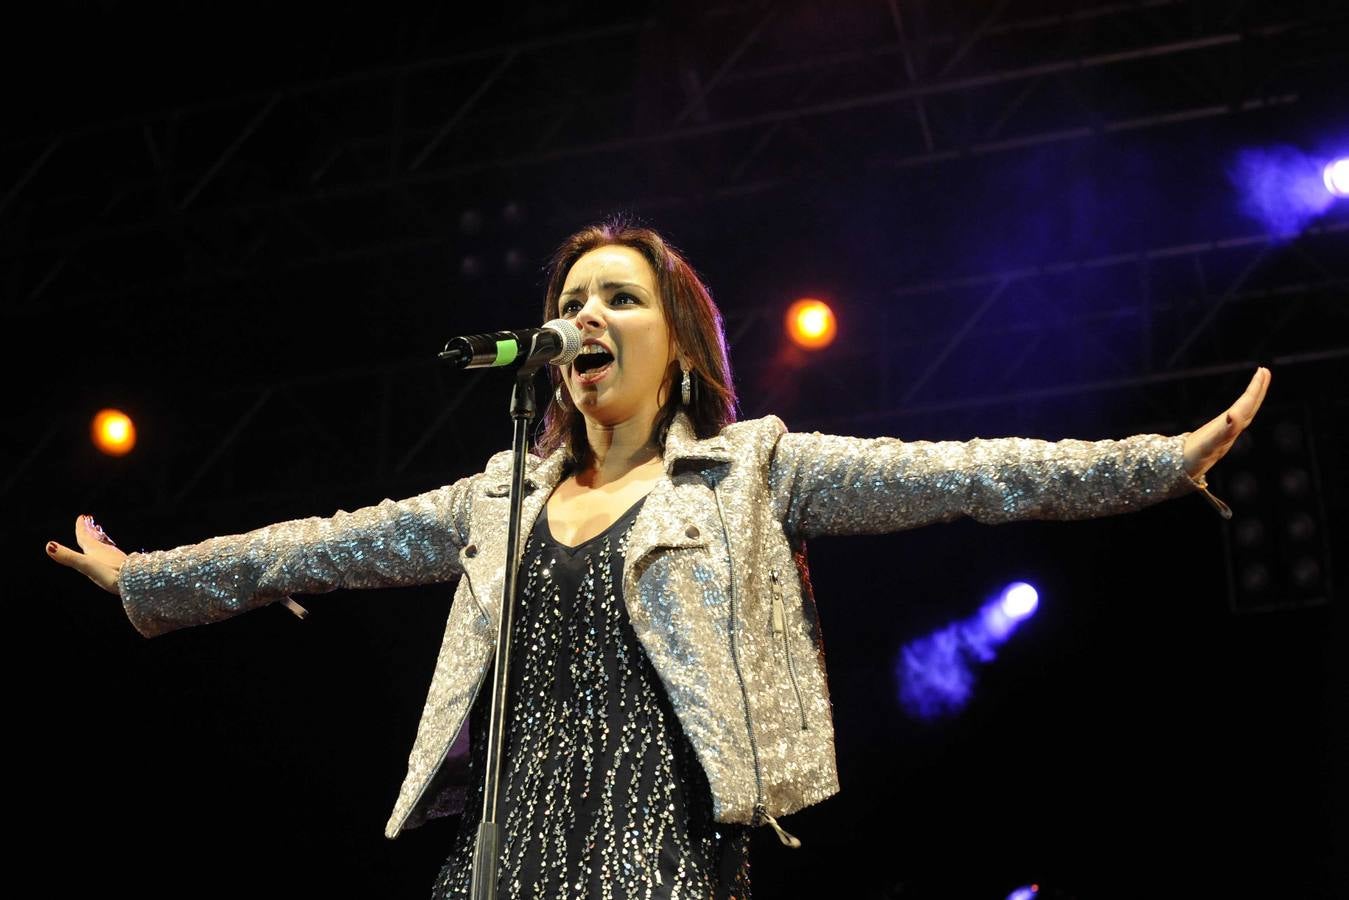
point(608, 286)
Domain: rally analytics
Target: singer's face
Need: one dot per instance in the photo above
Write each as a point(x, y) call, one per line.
point(611, 295)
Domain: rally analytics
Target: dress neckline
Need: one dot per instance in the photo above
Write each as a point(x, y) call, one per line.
point(548, 528)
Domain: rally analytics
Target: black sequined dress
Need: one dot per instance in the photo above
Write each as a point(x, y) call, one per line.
point(604, 796)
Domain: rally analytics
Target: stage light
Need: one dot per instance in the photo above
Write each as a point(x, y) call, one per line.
point(1336, 177)
point(1278, 546)
point(1019, 600)
point(1255, 578)
point(470, 222)
point(1245, 486)
point(1248, 533)
point(810, 324)
point(1282, 187)
point(1295, 482)
point(936, 673)
point(1300, 527)
point(1016, 602)
point(113, 432)
point(1305, 572)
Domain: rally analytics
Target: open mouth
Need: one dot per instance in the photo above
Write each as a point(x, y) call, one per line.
point(592, 366)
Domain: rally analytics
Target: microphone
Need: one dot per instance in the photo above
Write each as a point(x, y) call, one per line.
point(557, 342)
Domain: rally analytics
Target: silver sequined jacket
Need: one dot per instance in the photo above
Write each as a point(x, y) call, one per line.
point(715, 579)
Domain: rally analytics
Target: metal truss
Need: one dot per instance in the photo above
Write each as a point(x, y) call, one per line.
point(1156, 315)
point(1161, 299)
point(357, 172)
point(294, 164)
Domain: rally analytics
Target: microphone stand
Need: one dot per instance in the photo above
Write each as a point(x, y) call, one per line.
point(487, 855)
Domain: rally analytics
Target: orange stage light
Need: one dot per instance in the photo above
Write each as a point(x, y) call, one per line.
point(810, 323)
point(113, 432)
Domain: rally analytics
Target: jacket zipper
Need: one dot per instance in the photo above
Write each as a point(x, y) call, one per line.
point(761, 815)
point(482, 610)
point(780, 630)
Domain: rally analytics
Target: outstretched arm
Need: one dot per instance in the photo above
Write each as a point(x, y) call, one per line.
point(412, 541)
point(828, 484)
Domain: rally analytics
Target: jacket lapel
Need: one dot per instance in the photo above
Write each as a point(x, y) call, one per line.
point(487, 571)
point(672, 516)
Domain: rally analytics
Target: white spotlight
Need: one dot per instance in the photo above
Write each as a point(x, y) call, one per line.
point(1336, 177)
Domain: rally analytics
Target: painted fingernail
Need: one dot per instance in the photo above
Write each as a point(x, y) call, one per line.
point(51, 547)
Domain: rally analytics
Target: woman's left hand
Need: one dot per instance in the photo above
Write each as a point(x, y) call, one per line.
point(1206, 445)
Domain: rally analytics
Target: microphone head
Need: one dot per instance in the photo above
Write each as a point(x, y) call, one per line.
point(571, 340)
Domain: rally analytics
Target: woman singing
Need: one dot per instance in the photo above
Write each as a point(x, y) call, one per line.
point(667, 686)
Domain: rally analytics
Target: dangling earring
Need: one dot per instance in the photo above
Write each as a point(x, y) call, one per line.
point(557, 394)
point(686, 387)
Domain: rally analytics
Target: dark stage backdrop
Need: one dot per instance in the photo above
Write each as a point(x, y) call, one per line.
point(253, 230)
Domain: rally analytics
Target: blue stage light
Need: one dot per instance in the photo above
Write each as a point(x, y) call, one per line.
point(1016, 602)
point(1020, 600)
point(935, 673)
point(1336, 177)
point(1281, 187)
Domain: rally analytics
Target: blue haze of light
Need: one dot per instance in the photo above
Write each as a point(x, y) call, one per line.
point(1281, 188)
point(936, 672)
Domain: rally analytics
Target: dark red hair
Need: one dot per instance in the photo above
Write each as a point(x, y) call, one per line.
point(695, 326)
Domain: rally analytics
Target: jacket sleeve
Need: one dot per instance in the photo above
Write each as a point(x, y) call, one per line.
point(390, 544)
point(826, 484)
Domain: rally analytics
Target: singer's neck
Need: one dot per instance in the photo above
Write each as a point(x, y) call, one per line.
point(618, 450)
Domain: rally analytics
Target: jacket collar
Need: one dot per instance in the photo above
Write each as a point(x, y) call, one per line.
point(681, 443)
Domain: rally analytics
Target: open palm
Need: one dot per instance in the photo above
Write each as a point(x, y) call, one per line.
point(1210, 443)
point(101, 561)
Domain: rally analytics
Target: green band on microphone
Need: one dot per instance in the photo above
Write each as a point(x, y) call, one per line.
point(506, 353)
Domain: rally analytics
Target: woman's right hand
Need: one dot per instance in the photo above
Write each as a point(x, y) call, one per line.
point(101, 561)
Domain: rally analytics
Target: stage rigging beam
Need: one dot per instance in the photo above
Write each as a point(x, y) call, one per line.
point(228, 153)
point(857, 102)
point(464, 108)
point(699, 99)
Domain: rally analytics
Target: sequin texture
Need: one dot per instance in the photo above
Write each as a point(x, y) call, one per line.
point(714, 578)
point(602, 795)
